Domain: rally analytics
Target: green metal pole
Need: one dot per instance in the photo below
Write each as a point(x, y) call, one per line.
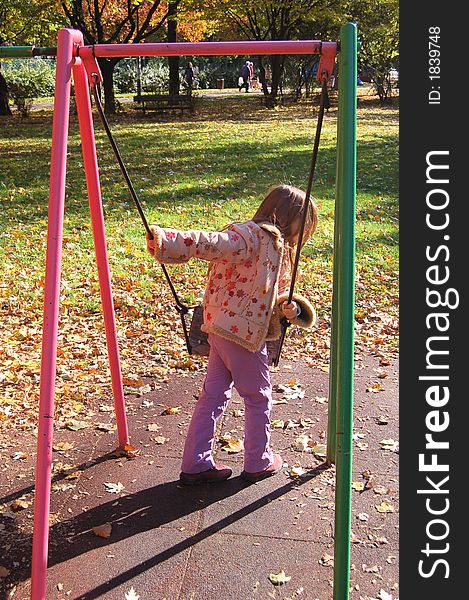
point(25, 51)
point(344, 261)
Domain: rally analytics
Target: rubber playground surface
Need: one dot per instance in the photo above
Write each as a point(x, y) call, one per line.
point(122, 528)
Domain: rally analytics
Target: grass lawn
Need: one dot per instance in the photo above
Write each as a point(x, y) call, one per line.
point(203, 171)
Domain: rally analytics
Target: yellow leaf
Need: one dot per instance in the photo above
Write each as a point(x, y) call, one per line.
point(171, 410)
point(279, 578)
point(62, 446)
point(232, 445)
point(385, 507)
point(358, 486)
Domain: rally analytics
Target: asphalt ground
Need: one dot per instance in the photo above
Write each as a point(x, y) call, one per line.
point(164, 541)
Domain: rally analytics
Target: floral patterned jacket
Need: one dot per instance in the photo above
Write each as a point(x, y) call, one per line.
point(245, 276)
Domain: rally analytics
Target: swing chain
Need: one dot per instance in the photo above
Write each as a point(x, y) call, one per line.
point(324, 103)
point(181, 308)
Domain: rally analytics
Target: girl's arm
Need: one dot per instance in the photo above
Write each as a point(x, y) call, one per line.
point(173, 246)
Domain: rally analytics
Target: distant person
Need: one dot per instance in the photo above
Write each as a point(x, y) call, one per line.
point(251, 70)
point(245, 77)
point(189, 77)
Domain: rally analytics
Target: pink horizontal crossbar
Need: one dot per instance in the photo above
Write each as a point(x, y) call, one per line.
point(206, 48)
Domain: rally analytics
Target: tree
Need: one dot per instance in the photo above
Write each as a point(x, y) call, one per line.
point(271, 20)
point(378, 31)
point(117, 21)
point(26, 23)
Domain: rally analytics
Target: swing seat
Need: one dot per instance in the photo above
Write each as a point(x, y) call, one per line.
point(198, 339)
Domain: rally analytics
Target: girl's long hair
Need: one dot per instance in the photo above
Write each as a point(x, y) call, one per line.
point(283, 207)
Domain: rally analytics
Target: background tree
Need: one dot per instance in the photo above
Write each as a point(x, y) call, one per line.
point(23, 24)
point(378, 31)
point(117, 21)
point(273, 20)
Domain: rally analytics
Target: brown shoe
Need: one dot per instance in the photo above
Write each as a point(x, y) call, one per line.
point(274, 468)
point(213, 475)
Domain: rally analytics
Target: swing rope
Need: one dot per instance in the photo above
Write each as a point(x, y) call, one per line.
point(323, 105)
point(182, 308)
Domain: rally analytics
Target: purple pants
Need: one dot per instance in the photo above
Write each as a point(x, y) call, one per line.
point(232, 365)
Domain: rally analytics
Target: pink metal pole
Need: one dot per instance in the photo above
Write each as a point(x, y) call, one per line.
point(207, 48)
point(65, 45)
point(90, 161)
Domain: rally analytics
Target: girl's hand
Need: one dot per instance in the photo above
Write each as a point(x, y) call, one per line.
point(151, 242)
point(290, 310)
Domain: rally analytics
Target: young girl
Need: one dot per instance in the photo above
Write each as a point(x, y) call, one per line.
point(245, 297)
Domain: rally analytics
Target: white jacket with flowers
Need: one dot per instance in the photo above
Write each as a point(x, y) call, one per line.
point(246, 267)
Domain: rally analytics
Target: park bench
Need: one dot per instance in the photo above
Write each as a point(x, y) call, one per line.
point(162, 102)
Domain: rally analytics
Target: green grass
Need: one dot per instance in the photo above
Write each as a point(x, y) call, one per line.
point(195, 171)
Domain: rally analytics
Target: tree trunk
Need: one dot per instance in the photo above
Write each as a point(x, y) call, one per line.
point(4, 107)
point(107, 69)
point(173, 61)
point(276, 63)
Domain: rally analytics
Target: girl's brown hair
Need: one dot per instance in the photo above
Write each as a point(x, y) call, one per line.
point(283, 207)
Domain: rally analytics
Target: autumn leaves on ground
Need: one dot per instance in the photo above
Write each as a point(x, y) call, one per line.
point(202, 170)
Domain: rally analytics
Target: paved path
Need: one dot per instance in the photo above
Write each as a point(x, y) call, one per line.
point(216, 542)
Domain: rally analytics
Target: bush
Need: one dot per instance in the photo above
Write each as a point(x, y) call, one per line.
point(125, 76)
point(28, 80)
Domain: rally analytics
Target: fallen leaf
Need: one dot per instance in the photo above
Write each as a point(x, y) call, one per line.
point(75, 425)
point(382, 595)
point(171, 410)
point(389, 444)
point(19, 504)
point(279, 578)
point(160, 439)
point(375, 388)
point(301, 444)
point(62, 446)
point(373, 569)
point(385, 507)
point(232, 445)
point(327, 560)
point(131, 382)
point(320, 399)
point(279, 401)
point(103, 531)
point(358, 486)
point(153, 427)
point(296, 471)
point(19, 456)
point(319, 450)
point(4, 572)
point(363, 517)
point(114, 488)
point(131, 595)
point(277, 423)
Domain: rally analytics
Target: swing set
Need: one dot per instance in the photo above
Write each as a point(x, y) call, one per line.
point(73, 57)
